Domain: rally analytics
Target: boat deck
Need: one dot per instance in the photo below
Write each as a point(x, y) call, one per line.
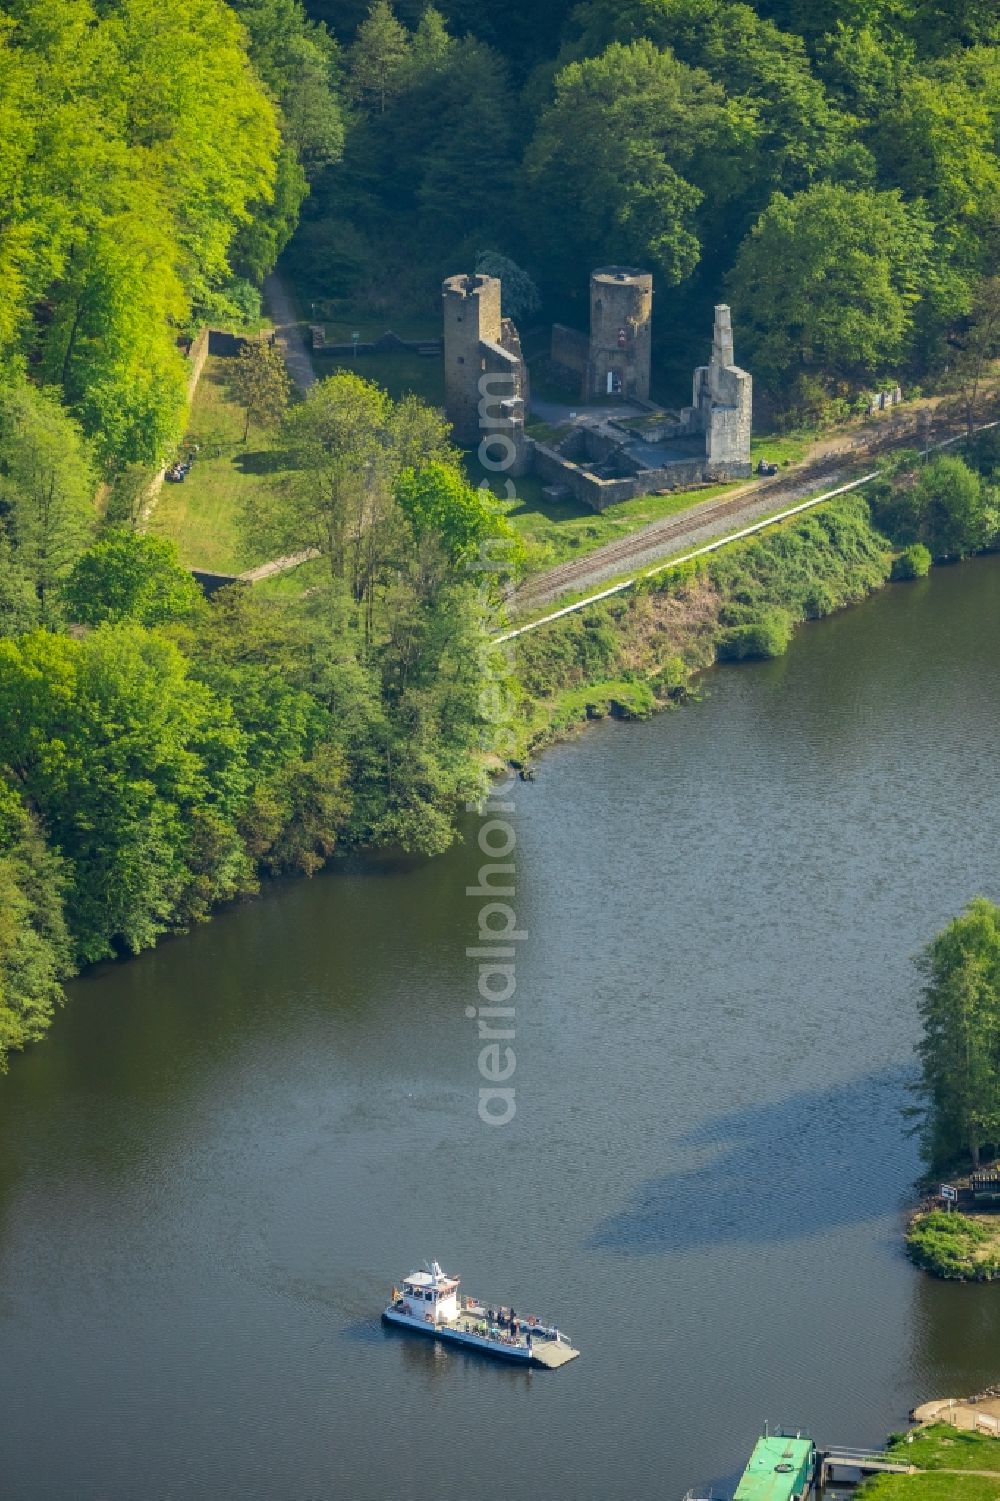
point(544, 1352)
point(547, 1353)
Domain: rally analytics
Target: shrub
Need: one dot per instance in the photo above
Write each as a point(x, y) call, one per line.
point(944, 1244)
point(767, 636)
point(914, 562)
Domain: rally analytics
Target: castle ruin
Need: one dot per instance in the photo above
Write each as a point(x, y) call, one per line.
point(486, 381)
point(632, 447)
point(616, 360)
point(722, 404)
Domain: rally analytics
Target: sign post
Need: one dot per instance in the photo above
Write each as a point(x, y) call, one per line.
point(949, 1194)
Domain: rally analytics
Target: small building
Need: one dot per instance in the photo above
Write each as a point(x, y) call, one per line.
point(780, 1469)
point(486, 380)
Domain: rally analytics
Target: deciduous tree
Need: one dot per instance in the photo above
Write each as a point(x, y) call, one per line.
point(960, 1047)
point(139, 773)
point(828, 284)
point(47, 485)
point(35, 949)
point(261, 384)
point(129, 575)
point(609, 167)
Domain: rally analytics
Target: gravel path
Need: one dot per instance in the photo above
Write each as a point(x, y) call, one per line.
point(289, 332)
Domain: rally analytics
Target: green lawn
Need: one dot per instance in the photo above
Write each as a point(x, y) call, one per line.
point(941, 1447)
point(340, 330)
point(559, 530)
point(400, 373)
point(201, 515)
point(788, 449)
point(930, 1487)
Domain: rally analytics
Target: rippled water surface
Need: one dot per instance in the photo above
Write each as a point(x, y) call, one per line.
point(228, 1149)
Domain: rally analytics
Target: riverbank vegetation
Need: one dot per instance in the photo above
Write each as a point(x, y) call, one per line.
point(738, 603)
point(957, 1247)
point(959, 1087)
point(160, 753)
point(952, 1466)
point(643, 648)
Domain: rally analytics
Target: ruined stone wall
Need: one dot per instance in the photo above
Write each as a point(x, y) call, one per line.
point(553, 467)
point(570, 350)
point(500, 410)
point(722, 406)
point(729, 418)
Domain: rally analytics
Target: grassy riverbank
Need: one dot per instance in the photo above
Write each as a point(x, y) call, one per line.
point(957, 1247)
point(640, 650)
point(953, 1466)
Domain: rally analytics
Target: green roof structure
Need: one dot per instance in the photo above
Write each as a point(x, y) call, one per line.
point(780, 1469)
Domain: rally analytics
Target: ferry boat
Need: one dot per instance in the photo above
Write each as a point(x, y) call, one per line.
point(429, 1302)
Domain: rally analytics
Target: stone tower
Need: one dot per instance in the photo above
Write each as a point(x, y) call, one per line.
point(621, 314)
point(486, 387)
point(723, 405)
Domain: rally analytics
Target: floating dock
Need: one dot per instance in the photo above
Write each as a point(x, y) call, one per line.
point(787, 1468)
point(780, 1469)
point(860, 1461)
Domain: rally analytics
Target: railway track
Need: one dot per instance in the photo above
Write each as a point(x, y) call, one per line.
point(673, 533)
point(701, 522)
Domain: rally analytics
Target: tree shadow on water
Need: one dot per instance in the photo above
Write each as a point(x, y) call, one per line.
point(815, 1161)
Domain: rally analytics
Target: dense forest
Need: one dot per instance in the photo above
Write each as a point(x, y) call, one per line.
point(831, 168)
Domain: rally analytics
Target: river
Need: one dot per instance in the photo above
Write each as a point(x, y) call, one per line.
point(228, 1149)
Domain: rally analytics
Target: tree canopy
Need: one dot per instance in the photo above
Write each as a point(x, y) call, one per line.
point(960, 1048)
point(138, 143)
point(829, 282)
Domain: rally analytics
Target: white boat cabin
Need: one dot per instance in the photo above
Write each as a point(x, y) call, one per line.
point(431, 1296)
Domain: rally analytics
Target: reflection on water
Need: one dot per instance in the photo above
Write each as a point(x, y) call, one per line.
point(790, 1168)
point(228, 1150)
